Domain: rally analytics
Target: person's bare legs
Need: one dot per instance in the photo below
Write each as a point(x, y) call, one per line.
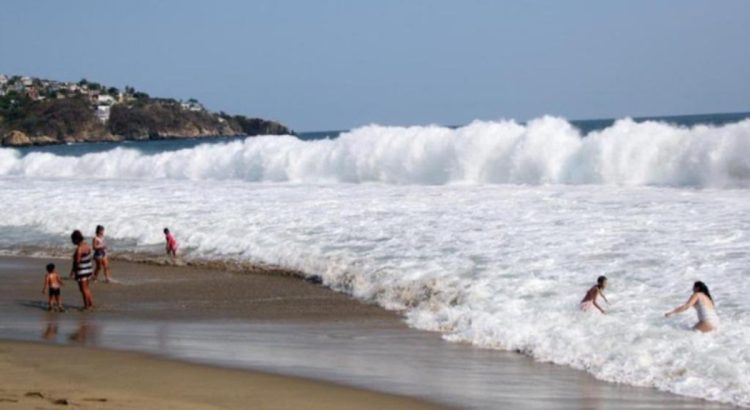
point(50, 301)
point(83, 291)
point(88, 299)
point(107, 273)
point(98, 263)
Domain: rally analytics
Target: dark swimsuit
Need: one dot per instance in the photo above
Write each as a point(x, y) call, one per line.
point(101, 252)
point(85, 267)
point(54, 291)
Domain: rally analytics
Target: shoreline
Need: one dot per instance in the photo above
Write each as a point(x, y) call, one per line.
point(279, 324)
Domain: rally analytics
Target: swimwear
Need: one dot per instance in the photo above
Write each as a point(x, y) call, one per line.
point(171, 242)
point(588, 305)
point(85, 267)
point(101, 251)
point(706, 314)
point(54, 291)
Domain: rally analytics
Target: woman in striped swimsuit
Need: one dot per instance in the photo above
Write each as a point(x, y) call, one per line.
point(83, 267)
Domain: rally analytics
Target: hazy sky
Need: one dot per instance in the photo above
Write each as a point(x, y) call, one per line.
point(319, 65)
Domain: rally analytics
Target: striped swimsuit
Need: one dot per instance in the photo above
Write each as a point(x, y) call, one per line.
point(85, 267)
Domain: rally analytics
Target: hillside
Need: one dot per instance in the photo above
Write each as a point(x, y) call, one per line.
point(36, 112)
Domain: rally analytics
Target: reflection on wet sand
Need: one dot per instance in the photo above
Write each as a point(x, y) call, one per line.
point(85, 334)
point(50, 329)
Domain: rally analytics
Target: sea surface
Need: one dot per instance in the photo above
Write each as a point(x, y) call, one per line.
point(489, 233)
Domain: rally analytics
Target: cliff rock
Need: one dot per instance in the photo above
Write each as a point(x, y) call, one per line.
point(16, 138)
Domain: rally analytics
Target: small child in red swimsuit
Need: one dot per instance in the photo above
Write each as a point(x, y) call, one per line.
point(171, 247)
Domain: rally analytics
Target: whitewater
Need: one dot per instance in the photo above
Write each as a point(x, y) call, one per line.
point(489, 233)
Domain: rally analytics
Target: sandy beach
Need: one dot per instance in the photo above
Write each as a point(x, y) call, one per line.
point(269, 333)
point(36, 376)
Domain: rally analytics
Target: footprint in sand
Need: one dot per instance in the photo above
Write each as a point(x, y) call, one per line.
point(34, 394)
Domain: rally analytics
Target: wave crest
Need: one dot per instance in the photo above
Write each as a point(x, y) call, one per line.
point(547, 150)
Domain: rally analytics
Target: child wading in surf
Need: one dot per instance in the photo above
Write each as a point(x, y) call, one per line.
point(171, 245)
point(53, 283)
point(589, 301)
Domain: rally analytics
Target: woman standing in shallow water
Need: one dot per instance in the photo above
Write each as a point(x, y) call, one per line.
point(83, 267)
point(704, 306)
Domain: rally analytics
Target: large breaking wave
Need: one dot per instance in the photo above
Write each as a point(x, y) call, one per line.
point(547, 150)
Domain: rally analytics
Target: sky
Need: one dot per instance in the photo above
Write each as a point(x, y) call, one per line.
point(327, 65)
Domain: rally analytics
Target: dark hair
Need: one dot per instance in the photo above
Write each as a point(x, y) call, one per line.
point(99, 228)
point(76, 237)
point(50, 267)
point(702, 288)
point(166, 230)
point(600, 281)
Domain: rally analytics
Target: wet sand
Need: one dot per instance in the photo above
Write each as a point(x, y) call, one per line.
point(35, 376)
point(276, 323)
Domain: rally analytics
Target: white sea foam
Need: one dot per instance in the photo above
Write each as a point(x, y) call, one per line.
point(497, 265)
point(545, 151)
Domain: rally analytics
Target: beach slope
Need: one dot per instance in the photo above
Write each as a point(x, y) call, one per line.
point(35, 376)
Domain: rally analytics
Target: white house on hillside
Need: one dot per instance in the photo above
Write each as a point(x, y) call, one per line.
point(102, 112)
point(105, 100)
point(192, 106)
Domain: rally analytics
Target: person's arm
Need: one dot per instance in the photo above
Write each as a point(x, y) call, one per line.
point(604, 297)
point(693, 299)
point(46, 279)
point(598, 307)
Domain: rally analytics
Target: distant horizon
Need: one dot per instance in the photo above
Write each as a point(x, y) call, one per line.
point(571, 120)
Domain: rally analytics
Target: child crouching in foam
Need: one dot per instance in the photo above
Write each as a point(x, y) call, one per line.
point(589, 301)
point(53, 283)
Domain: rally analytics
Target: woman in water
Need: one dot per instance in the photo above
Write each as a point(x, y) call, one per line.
point(704, 306)
point(83, 267)
point(100, 254)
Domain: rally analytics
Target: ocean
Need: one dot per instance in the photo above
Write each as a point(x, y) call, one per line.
point(489, 233)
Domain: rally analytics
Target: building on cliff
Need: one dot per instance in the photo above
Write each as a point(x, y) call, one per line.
point(103, 112)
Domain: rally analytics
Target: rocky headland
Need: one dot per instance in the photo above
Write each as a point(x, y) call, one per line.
point(40, 112)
